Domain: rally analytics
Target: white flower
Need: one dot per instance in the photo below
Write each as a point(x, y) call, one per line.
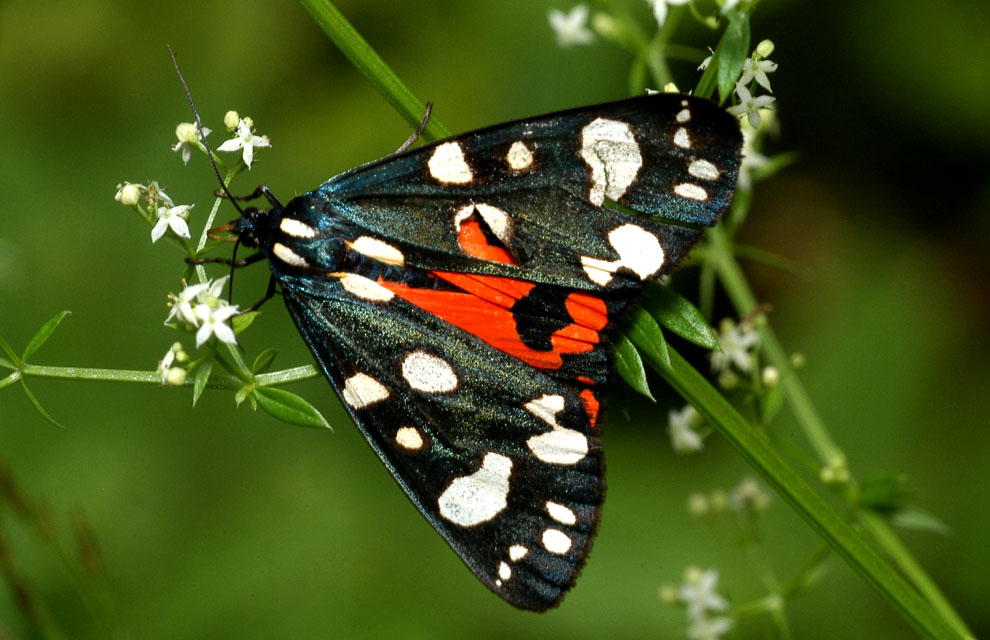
point(129, 194)
point(156, 195)
point(709, 628)
point(214, 323)
point(246, 141)
point(682, 436)
point(749, 105)
point(749, 495)
point(172, 376)
point(164, 364)
point(171, 218)
point(660, 8)
point(570, 27)
point(698, 593)
point(758, 69)
point(193, 296)
point(736, 342)
point(704, 63)
point(188, 137)
point(751, 158)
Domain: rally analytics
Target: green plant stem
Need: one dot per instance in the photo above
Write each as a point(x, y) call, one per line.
point(368, 62)
point(881, 531)
point(849, 544)
point(217, 381)
point(722, 255)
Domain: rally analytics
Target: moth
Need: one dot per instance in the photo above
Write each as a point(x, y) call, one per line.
point(460, 296)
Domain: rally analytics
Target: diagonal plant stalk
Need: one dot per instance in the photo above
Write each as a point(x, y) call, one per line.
point(694, 387)
point(730, 274)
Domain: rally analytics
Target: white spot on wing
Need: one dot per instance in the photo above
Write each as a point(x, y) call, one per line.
point(364, 288)
point(496, 219)
point(556, 541)
point(519, 156)
point(429, 373)
point(517, 552)
point(560, 513)
point(561, 445)
point(703, 169)
point(409, 438)
point(288, 256)
point(684, 115)
point(479, 497)
point(681, 138)
point(504, 570)
point(296, 229)
point(692, 191)
point(361, 390)
point(378, 250)
point(447, 164)
point(611, 150)
point(638, 249)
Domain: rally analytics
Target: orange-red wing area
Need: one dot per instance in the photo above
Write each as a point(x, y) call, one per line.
point(486, 307)
point(483, 308)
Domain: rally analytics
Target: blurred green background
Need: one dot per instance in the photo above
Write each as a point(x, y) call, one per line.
point(220, 523)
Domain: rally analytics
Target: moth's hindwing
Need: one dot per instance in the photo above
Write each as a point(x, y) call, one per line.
point(459, 297)
point(501, 458)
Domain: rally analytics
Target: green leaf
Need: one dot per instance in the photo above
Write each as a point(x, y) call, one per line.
point(646, 334)
point(242, 321)
point(200, 378)
point(43, 334)
point(726, 64)
point(264, 361)
point(629, 365)
point(676, 312)
point(884, 492)
point(734, 47)
point(37, 405)
point(243, 393)
point(10, 352)
point(11, 379)
point(919, 520)
point(289, 407)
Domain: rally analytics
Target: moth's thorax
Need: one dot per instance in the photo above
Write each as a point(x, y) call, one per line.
point(299, 237)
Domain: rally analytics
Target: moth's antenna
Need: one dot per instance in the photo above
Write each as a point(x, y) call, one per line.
point(202, 136)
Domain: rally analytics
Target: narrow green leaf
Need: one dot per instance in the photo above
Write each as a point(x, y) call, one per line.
point(4, 362)
point(676, 312)
point(264, 361)
point(629, 365)
point(243, 393)
point(43, 334)
point(918, 519)
point(37, 405)
point(11, 379)
point(289, 407)
point(200, 378)
point(646, 334)
point(726, 65)
point(242, 321)
point(10, 353)
point(732, 51)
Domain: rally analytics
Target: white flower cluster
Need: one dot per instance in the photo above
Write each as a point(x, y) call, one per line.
point(755, 68)
point(699, 597)
point(199, 306)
